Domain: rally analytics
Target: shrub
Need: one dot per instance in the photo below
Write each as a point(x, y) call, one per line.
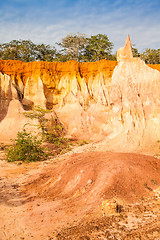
point(2, 146)
point(52, 130)
point(27, 148)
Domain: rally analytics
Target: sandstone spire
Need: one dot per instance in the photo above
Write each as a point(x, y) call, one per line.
point(135, 101)
point(126, 51)
point(128, 45)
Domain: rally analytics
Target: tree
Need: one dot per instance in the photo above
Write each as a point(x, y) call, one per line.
point(73, 46)
point(45, 53)
point(151, 56)
point(135, 52)
point(27, 51)
point(62, 57)
point(23, 50)
point(98, 47)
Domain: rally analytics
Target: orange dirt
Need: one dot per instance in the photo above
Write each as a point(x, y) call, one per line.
point(98, 176)
point(155, 66)
point(53, 71)
point(62, 198)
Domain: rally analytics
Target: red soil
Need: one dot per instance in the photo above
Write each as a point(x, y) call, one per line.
point(40, 198)
point(94, 176)
point(74, 188)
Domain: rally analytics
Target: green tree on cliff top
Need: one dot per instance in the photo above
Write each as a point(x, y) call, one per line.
point(151, 56)
point(98, 47)
point(73, 46)
point(26, 51)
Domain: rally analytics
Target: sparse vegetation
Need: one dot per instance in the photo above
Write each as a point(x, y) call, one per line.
point(26, 148)
point(52, 129)
point(2, 146)
point(83, 142)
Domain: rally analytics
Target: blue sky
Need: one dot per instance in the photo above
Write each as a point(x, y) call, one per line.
point(48, 21)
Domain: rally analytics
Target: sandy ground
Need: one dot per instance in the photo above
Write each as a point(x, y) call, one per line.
point(91, 195)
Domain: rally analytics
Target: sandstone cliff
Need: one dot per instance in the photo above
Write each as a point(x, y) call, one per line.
point(114, 101)
point(59, 79)
point(135, 101)
point(69, 88)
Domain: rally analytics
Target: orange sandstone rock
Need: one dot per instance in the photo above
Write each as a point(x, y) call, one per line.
point(93, 100)
point(135, 103)
point(59, 79)
point(155, 66)
point(51, 72)
point(19, 70)
point(73, 87)
point(125, 53)
point(15, 121)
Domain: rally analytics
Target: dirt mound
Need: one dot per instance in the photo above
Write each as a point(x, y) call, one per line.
point(75, 188)
point(64, 196)
point(94, 176)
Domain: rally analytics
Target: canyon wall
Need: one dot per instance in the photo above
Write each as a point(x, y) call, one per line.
point(70, 88)
point(135, 104)
point(115, 102)
point(58, 79)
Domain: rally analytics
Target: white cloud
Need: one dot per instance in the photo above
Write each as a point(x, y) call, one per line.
point(116, 19)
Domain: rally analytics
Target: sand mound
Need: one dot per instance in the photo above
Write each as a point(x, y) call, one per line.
point(76, 187)
point(94, 176)
point(41, 198)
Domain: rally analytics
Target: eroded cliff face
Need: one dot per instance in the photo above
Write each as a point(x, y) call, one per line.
point(7, 93)
point(117, 102)
point(72, 89)
point(56, 80)
point(48, 84)
point(135, 104)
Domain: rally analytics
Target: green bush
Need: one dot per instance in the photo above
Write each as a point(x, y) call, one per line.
point(52, 130)
point(27, 148)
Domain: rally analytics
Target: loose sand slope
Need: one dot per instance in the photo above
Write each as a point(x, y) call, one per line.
point(40, 199)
